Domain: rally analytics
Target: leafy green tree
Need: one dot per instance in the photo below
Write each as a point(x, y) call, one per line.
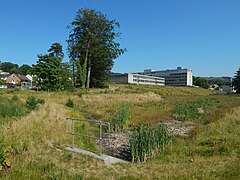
point(56, 50)
point(9, 67)
point(48, 70)
point(92, 47)
point(201, 82)
point(25, 69)
point(236, 81)
point(66, 76)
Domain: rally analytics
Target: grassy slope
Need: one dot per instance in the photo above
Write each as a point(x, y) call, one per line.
point(212, 151)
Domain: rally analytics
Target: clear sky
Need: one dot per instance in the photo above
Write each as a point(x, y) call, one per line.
point(202, 35)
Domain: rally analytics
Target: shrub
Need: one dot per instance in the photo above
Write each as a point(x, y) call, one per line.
point(146, 141)
point(31, 103)
point(69, 103)
point(3, 155)
point(120, 117)
point(15, 98)
point(41, 101)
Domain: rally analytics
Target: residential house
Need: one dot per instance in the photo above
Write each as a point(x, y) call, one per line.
point(3, 78)
point(18, 80)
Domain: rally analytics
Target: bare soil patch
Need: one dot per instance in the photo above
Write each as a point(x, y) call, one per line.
point(118, 145)
point(176, 127)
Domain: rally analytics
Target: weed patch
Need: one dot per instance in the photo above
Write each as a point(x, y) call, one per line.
point(120, 116)
point(11, 108)
point(192, 111)
point(31, 103)
point(69, 103)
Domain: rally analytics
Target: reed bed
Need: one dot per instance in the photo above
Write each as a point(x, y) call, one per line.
point(147, 141)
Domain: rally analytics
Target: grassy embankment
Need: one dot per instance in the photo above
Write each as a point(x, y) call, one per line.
point(211, 151)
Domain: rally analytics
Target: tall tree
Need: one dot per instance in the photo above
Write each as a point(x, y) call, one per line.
point(66, 76)
point(93, 47)
point(48, 69)
point(201, 82)
point(56, 50)
point(236, 81)
point(25, 69)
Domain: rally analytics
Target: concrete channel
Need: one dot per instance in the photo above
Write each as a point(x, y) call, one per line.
point(105, 158)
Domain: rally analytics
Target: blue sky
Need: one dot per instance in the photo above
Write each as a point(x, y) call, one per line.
point(202, 35)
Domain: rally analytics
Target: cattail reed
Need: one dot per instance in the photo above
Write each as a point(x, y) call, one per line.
point(146, 141)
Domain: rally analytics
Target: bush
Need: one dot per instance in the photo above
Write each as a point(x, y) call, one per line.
point(69, 103)
point(15, 98)
point(41, 101)
point(120, 117)
point(31, 102)
point(3, 155)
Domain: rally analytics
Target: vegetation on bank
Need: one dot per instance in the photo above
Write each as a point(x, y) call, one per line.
point(10, 110)
point(192, 110)
point(147, 141)
point(211, 150)
point(13, 107)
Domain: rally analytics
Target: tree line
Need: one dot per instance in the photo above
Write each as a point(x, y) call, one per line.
point(204, 83)
point(92, 48)
point(15, 68)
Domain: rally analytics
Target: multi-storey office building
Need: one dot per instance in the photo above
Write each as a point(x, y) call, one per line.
point(176, 77)
point(136, 79)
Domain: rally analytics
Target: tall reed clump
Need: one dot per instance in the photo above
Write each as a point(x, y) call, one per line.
point(146, 141)
point(120, 117)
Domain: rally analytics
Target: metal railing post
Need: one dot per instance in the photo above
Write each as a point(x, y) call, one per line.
point(100, 138)
point(109, 129)
point(66, 124)
point(72, 132)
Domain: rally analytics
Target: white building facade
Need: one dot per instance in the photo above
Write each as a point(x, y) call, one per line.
point(130, 78)
point(176, 77)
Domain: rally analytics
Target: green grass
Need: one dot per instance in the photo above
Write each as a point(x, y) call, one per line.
point(120, 116)
point(11, 108)
point(192, 110)
point(211, 151)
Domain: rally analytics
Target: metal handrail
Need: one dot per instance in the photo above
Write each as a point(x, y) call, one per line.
point(99, 138)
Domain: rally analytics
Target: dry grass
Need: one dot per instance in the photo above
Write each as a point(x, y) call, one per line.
point(149, 116)
point(32, 158)
point(121, 98)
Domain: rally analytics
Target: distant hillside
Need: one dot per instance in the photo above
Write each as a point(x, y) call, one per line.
point(223, 78)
